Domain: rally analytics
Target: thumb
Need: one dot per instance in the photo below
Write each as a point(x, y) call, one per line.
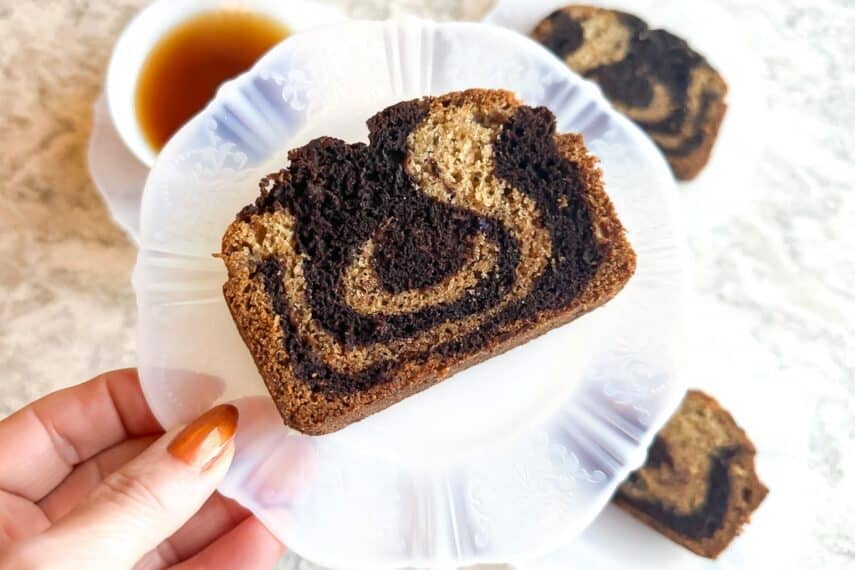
point(137, 507)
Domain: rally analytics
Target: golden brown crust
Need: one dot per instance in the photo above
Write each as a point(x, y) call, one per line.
point(679, 485)
point(688, 167)
point(317, 413)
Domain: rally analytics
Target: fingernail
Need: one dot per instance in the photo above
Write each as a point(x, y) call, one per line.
point(204, 439)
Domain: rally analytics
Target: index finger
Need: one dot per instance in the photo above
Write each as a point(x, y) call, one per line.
point(41, 443)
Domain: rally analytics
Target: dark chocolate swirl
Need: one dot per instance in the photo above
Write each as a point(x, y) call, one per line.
point(449, 230)
point(706, 518)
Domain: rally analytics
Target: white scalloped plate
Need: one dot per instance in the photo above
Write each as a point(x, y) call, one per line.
point(504, 461)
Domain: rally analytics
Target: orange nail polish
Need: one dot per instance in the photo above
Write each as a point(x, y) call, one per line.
point(203, 439)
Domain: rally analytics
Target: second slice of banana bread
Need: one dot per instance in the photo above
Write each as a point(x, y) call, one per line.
point(698, 486)
point(651, 75)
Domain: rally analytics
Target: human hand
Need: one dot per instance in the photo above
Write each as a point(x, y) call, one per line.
point(89, 480)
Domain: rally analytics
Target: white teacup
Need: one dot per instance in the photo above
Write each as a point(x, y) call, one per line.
point(149, 26)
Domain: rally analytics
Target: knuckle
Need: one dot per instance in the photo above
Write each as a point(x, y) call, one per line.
point(132, 492)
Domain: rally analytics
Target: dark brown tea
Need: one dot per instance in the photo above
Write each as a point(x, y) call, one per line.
point(184, 70)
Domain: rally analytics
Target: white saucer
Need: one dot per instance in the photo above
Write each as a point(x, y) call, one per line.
point(118, 175)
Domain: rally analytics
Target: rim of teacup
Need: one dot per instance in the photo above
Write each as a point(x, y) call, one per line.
point(156, 20)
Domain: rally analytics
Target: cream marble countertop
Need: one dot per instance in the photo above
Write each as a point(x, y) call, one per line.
point(774, 277)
